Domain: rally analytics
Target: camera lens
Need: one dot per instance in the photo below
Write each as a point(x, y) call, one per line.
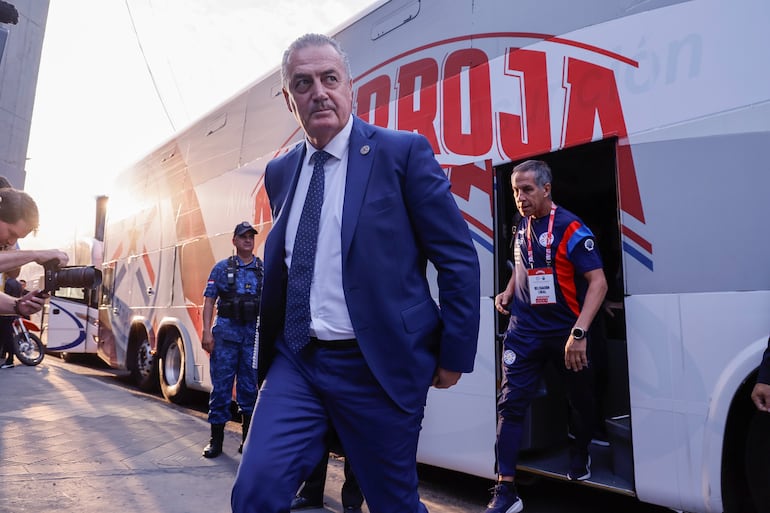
point(87, 277)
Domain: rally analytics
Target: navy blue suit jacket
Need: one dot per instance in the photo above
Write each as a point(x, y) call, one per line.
point(398, 213)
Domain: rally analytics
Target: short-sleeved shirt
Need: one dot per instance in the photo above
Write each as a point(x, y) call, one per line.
point(248, 281)
point(573, 253)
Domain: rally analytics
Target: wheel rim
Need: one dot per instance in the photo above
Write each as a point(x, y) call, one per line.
point(172, 363)
point(144, 359)
point(29, 350)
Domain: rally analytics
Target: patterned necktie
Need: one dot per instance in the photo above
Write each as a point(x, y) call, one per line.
point(297, 322)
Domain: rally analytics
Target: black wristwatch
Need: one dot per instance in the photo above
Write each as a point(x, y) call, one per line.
point(578, 333)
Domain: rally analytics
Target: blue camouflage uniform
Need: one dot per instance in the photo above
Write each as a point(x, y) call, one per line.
point(234, 332)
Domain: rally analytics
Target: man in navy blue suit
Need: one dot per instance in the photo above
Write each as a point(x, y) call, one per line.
point(376, 339)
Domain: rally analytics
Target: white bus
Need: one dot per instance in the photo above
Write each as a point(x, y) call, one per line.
point(655, 117)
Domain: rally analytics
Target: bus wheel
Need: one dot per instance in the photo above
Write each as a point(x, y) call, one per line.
point(144, 368)
point(172, 366)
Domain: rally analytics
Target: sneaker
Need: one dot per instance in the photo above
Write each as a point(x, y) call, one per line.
point(6, 365)
point(504, 499)
point(580, 467)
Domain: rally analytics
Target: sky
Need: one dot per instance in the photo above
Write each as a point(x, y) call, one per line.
point(119, 77)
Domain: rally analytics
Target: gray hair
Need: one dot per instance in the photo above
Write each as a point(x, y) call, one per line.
point(540, 168)
point(311, 40)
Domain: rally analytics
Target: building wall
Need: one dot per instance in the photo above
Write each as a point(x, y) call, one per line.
point(19, 66)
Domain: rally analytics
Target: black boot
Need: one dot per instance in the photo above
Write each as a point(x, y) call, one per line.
point(214, 448)
point(244, 430)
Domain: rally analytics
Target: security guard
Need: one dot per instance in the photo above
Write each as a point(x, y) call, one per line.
point(237, 282)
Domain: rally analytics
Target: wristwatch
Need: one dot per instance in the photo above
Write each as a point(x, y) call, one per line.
point(578, 333)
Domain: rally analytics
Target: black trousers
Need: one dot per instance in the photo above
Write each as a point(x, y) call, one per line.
point(758, 461)
point(315, 483)
point(314, 486)
point(6, 338)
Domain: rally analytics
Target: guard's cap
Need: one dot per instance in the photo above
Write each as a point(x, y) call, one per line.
point(244, 227)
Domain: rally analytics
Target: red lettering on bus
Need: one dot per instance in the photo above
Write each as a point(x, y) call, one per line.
point(475, 138)
point(379, 89)
point(416, 108)
point(530, 133)
point(593, 93)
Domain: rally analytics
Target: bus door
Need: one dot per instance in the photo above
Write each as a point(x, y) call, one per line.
point(585, 183)
point(70, 321)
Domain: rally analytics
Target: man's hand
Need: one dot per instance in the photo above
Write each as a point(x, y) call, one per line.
point(761, 396)
point(32, 302)
point(575, 355)
point(502, 303)
point(44, 255)
point(445, 378)
point(207, 342)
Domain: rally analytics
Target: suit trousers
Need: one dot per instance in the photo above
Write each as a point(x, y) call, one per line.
point(302, 396)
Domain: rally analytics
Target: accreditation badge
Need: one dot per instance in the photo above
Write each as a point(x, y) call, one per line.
point(541, 286)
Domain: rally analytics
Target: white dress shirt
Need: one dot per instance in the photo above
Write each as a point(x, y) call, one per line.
point(329, 317)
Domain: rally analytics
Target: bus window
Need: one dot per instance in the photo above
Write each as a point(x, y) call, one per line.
point(75, 294)
point(108, 282)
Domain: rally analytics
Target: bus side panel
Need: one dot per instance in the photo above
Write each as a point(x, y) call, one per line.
point(706, 209)
point(70, 326)
point(688, 354)
point(459, 428)
point(734, 326)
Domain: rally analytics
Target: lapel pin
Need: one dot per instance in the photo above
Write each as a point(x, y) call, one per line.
point(365, 149)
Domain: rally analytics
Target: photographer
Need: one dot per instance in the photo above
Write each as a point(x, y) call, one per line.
point(18, 218)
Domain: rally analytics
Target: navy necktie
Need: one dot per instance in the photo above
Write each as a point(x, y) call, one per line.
point(297, 321)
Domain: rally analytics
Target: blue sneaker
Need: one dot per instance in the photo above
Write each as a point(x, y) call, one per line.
point(504, 499)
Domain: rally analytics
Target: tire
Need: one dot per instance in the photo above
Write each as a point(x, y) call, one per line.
point(29, 349)
point(144, 367)
point(172, 371)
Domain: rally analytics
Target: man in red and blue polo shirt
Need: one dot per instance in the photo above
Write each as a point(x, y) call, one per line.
point(554, 293)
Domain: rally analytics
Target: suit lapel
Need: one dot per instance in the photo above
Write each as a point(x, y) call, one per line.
point(292, 169)
point(360, 161)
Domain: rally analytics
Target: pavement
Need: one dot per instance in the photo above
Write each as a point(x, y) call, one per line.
point(73, 443)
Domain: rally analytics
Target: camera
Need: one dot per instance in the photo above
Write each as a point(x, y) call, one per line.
point(77, 276)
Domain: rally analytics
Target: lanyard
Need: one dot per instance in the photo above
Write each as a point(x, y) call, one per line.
point(548, 239)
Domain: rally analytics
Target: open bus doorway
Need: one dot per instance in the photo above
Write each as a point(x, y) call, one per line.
point(584, 182)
